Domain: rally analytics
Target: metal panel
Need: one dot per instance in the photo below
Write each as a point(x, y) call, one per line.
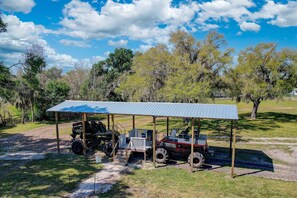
point(158, 109)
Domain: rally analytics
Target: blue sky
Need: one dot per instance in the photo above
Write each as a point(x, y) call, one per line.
point(81, 32)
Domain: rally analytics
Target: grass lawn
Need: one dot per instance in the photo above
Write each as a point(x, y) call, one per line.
point(11, 130)
point(53, 176)
point(173, 182)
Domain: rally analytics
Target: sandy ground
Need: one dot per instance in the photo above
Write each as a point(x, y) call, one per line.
point(102, 181)
point(42, 140)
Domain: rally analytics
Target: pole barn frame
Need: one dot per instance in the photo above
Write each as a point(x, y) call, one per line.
point(113, 138)
point(181, 110)
point(57, 131)
point(133, 122)
point(154, 141)
point(192, 145)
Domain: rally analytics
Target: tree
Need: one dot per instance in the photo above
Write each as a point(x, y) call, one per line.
point(2, 25)
point(104, 76)
point(7, 83)
point(266, 73)
point(148, 76)
point(22, 96)
point(55, 92)
point(52, 90)
point(75, 79)
point(34, 63)
point(190, 72)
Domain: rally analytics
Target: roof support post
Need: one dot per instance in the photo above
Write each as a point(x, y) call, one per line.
point(192, 145)
point(57, 131)
point(108, 123)
point(113, 138)
point(167, 126)
point(133, 122)
point(231, 134)
point(154, 141)
point(233, 153)
point(84, 119)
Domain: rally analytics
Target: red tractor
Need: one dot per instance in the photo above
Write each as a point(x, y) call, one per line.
point(178, 145)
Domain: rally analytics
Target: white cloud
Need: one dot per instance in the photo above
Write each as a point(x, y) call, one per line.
point(24, 6)
point(20, 36)
point(206, 27)
point(106, 53)
point(120, 43)
point(239, 33)
point(139, 20)
point(282, 15)
point(224, 9)
point(74, 43)
point(249, 26)
point(144, 48)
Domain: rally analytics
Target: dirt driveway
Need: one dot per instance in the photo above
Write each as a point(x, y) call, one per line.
point(41, 139)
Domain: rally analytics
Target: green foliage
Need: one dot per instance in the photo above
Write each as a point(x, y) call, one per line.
point(34, 63)
point(148, 77)
point(104, 76)
point(2, 25)
point(192, 72)
point(120, 60)
point(265, 73)
point(6, 83)
point(55, 92)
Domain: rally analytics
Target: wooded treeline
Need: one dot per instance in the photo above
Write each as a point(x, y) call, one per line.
point(185, 70)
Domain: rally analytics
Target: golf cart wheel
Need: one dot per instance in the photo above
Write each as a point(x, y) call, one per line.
point(77, 147)
point(161, 155)
point(198, 160)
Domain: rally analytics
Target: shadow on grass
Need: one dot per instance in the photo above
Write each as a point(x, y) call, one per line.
point(244, 158)
point(53, 176)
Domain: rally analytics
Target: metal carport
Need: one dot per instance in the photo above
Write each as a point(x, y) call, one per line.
point(154, 109)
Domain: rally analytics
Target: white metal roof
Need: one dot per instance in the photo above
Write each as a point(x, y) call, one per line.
point(158, 109)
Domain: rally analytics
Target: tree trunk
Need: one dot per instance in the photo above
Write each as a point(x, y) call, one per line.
point(23, 116)
point(255, 109)
point(32, 111)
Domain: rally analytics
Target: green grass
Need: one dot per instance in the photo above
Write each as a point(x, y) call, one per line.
point(268, 124)
point(12, 130)
point(173, 182)
point(53, 176)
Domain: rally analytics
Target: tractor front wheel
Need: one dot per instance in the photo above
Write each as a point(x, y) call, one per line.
point(198, 160)
point(161, 155)
point(78, 147)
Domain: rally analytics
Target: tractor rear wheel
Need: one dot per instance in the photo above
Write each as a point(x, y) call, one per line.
point(198, 160)
point(77, 147)
point(161, 155)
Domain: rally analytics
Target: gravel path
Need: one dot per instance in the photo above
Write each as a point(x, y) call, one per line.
point(102, 181)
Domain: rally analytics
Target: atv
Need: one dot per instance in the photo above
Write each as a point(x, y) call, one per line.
point(178, 145)
point(96, 134)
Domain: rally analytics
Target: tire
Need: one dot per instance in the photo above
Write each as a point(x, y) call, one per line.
point(108, 149)
point(198, 160)
point(161, 155)
point(77, 147)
